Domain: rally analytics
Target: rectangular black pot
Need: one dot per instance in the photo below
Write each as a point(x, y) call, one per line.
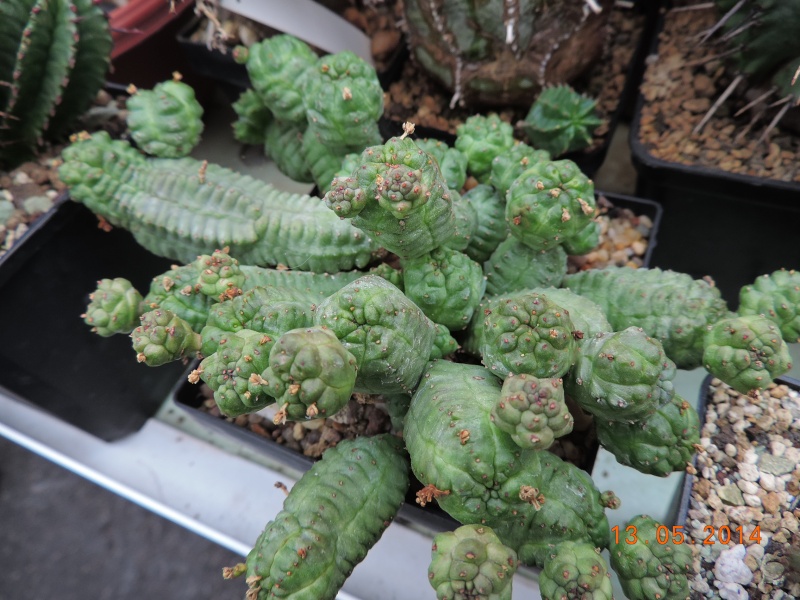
point(728, 226)
point(49, 357)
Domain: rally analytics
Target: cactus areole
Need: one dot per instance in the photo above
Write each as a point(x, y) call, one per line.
point(505, 51)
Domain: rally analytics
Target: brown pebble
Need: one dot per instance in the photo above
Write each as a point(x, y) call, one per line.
point(771, 503)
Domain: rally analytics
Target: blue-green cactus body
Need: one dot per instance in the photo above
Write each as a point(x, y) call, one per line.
point(283, 143)
point(452, 162)
point(512, 163)
point(114, 307)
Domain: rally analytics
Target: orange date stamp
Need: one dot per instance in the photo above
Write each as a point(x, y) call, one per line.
point(665, 535)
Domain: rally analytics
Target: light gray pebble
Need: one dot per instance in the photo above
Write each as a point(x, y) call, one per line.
point(748, 471)
point(740, 426)
point(750, 456)
point(767, 481)
point(700, 585)
point(21, 178)
point(756, 551)
point(730, 567)
point(777, 447)
point(730, 450)
point(752, 500)
point(732, 591)
point(748, 487)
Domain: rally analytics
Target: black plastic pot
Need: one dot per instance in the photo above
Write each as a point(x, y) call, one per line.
point(49, 357)
point(728, 226)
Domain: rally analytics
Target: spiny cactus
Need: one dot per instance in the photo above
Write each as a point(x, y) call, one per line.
point(54, 55)
point(561, 120)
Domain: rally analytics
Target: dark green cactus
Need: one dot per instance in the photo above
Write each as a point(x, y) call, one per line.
point(575, 571)
point(513, 266)
point(647, 568)
point(471, 563)
point(331, 518)
point(491, 228)
point(452, 162)
point(746, 352)
point(310, 374)
point(524, 333)
point(279, 67)
point(662, 443)
point(671, 307)
point(465, 221)
point(252, 118)
point(777, 296)
point(54, 55)
point(388, 334)
point(181, 208)
point(561, 120)
point(532, 411)
point(512, 163)
point(550, 204)
point(114, 307)
point(164, 337)
point(398, 197)
point(622, 376)
point(481, 138)
point(166, 121)
point(447, 286)
point(478, 474)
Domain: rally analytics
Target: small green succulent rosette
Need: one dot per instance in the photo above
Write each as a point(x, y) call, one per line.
point(114, 307)
point(233, 373)
point(551, 203)
point(166, 121)
point(481, 138)
point(310, 373)
point(388, 334)
point(252, 118)
point(532, 411)
point(513, 266)
point(343, 100)
point(561, 120)
point(471, 563)
point(491, 228)
point(746, 352)
point(512, 163)
point(525, 333)
point(646, 567)
point(661, 444)
point(575, 570)
point(279, 67)
point(776, 296)
point(621, 376)
point(447, 286)
point(163, 337)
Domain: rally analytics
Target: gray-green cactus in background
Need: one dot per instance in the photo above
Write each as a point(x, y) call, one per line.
point(452, 162)
point(513, 162)
point(252, 118)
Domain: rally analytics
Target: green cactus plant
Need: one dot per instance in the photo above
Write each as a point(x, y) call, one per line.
point(575, 570)
point(252, 118)
point(114, 307)
point(54, 56)
point(513, 266)
point(561, 120)
point(490, 229)
point(164, 337)
point(513, 162)
point(777, 296)
point(481, 138)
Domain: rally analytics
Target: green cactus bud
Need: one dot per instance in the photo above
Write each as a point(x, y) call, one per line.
point(343, 100)
point(114, 307)
point(166, 121)
point(648, 568)
point(587, 317)
point(360, 485)
point(233, 373)
point(746, 352)
point(481, 138)
point(310, 373)
point(447, 286)
point(478, 475)
point(575, 570)
point(388, 334)
point(660, 444)
point(776, 296)
point(513, 266)
point(561, 120)
point(444, 344)
point(671, 307)
point(465, 221)
point(550, 204)
point(163, 337)
point(252, 118)
point(532, 411)
point(283, 142)
point(512, 163)
point(220, 275)
point(471, 563)
point(622, 376)
point(398, 196)
point(279, 67)
point(452, 162)
point(491, 227)
point(389, 273)
point(525, 333)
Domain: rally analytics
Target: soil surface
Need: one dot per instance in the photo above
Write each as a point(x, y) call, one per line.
point(680, 86)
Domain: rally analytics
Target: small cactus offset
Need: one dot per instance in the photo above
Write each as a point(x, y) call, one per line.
point(54, 55)
point(471, 563)
point(481, 138)
point(561, 120)
point(114, 307)
point(252, 118)
point(575, 570)
point(164, 337)
point(776, 296)
point(167, 120)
